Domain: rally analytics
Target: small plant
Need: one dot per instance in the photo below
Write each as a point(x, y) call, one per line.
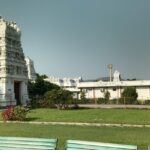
point(7, 114)
point(19, 113)
point(82, 95)
point(102, 100)
point(107, 95)
point(14, 113)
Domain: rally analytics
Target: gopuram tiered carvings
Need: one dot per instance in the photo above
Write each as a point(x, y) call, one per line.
point(13, 70)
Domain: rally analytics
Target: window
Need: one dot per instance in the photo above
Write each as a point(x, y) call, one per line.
point(114, 89)
point(102, 90)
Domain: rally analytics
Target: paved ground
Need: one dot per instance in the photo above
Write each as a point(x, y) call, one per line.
point(114, 106)
point(79, 124)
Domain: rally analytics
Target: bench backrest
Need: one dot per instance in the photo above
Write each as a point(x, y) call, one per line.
point(20, 143)
point(86, 145)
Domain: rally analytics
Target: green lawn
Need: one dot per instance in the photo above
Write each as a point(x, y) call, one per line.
point(122, 135)
point(131, 116)
point(137, 136)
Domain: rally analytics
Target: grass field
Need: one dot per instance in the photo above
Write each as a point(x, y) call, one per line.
point(122, 135)
point(137, 136)
point(130, 116)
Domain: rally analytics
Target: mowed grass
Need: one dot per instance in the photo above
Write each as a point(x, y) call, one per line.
point(134, 136)
point(122, 116)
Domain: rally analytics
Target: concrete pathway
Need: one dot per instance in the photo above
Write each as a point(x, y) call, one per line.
point(114, 106)
point(78, 124)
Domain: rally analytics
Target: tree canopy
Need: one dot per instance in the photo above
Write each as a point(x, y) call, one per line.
point(38, 88)
point(60, 97)
point(129, 95)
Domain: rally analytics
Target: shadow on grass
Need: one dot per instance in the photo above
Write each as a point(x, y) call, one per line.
point(75, 109)
point(31, 119)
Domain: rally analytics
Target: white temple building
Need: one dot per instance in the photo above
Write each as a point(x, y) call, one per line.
point(30, 69)
point(69, 84)
point(13, 70)
point(96, 88)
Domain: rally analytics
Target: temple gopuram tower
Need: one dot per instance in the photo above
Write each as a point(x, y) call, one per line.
point(13, 70)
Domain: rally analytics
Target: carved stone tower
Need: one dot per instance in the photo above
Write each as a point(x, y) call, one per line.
point(13, 71)
point(31, 70)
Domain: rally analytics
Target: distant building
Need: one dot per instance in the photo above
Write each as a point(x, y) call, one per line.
point(96, 88)
point(30, 69)
point(69, 84)
point(13, 70)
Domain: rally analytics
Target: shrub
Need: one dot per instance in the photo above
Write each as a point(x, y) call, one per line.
point(140, 102)
point(82, 96)
point(105, 99)
point(113, 101)
point(102, 101)
point(61, 98)
point(86, 101)
point(19, 113)
point(143, 102)
point(40, 86)
point(129, 95)
point(121, 101)
point(14, 113)
point(34, 103)
point(44, 103)
point(127, 100)
point(147, 102)
point(107, 95)
point(7, 114)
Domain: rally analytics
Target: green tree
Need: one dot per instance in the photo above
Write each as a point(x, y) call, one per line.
point(129, 95)
point(61, 98)
point(38, 88)
point(82, 95)
point(107, 95)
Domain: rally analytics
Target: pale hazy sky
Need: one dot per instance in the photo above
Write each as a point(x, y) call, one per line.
point(71, 38)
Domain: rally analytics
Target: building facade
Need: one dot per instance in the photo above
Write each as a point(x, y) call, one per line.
point(30, 69)
point(115, 87)
point(96, 88)
point(13, 70)
point(69, 84)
